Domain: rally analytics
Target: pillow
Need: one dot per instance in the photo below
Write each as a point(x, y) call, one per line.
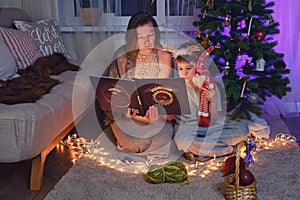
point(8, 66)
point(21, 45)
point(46, 35)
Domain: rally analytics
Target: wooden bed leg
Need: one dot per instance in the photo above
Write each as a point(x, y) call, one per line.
point(37, 169)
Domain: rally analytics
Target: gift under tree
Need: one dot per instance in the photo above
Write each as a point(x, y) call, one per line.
point(252, 70)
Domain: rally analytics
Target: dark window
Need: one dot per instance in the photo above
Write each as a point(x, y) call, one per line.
point(129, 7)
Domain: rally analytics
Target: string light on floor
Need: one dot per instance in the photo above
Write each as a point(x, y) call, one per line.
point(201, 167)
point(281, 139)
point(77, 145)
point(204, 168)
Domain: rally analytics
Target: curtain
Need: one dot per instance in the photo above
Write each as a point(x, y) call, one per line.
point(42, 9)
point(11, 3)
point(287, 13)
point(93, 21)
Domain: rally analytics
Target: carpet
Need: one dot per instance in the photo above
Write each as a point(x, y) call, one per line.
point(275, 168)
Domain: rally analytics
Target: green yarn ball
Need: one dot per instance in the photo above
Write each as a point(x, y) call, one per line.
point(171, 172)
point(175, 172)
point(155, 174)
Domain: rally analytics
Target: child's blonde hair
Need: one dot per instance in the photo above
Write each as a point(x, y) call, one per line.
point(188, 52)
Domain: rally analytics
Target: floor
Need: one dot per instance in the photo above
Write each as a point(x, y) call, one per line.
point(14, 177)
point(294, 126)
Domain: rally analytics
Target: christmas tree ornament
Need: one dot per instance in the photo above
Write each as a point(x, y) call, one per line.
point(249, 26)
point(239, 49)
point(226, 68)
point(280, 64)
point(259, 35)
point(240, 57)
point(243, 89)
point(246, 178)
point(270, 21)
point(209, 5)
point(226, 21)
point(250, 6)
point(204, 14)
point(260, 65)
point(205, 41)
point(198, 35)
point(227, 55)
point(253, 98)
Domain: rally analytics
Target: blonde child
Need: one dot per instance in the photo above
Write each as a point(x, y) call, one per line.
point(218, 138)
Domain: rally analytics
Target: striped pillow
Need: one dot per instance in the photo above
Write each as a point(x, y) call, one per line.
point(21, 45)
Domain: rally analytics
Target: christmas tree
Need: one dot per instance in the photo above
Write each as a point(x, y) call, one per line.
point(252, 70)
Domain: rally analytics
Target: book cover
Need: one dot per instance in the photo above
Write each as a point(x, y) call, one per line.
point(118, 94)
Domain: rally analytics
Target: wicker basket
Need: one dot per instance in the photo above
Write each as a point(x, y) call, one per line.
point(237, 192)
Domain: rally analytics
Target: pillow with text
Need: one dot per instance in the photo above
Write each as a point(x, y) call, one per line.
point(46, 35)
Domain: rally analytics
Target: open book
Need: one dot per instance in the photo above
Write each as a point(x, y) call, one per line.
point(118, 94)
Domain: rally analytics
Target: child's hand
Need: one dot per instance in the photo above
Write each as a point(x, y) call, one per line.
point(131, 113)
point(198, 80)
point(208, 93)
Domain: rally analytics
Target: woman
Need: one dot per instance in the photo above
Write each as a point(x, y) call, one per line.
point(141, 57)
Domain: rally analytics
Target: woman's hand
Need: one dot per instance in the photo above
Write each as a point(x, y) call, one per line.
point(131, 113)
point(152, 114)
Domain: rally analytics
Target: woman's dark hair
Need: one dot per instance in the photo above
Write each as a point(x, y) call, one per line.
point(139, 19)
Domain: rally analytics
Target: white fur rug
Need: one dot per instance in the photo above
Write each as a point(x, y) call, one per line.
point(276, 170)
